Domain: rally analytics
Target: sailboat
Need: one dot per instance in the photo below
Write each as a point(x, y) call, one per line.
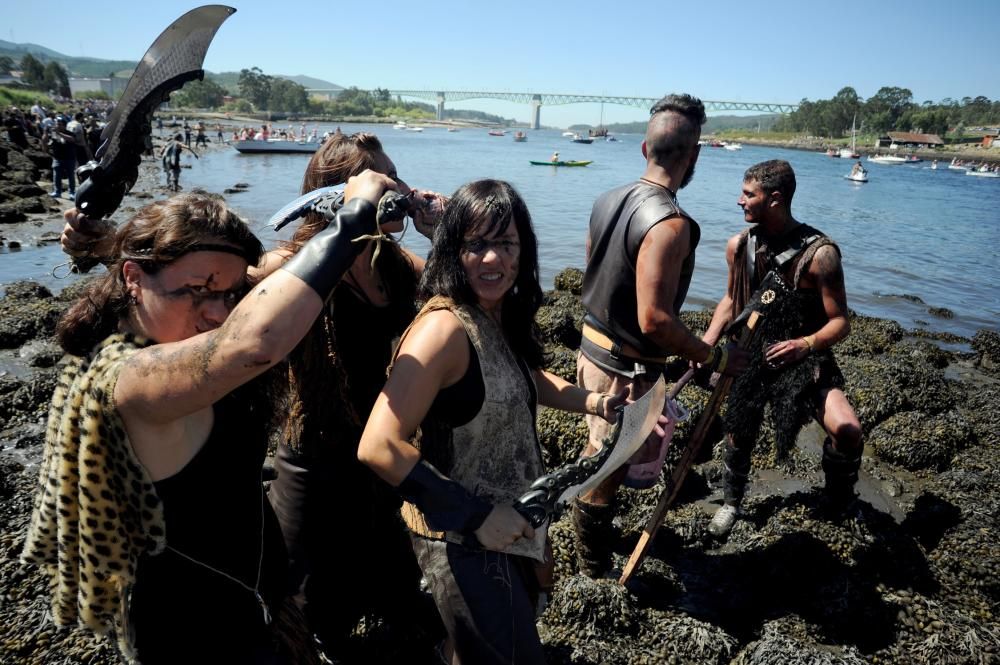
point(601, 131)
point(852, 153)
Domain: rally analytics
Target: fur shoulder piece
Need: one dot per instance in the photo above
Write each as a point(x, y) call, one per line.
point(96, 511)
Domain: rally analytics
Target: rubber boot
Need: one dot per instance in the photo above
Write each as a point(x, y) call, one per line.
point(594, 536)
point(841, 472)
point(735, 475)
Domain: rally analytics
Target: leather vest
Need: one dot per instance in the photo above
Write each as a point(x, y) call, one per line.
point(495, 455)
point(619, 222)
point(789, 256)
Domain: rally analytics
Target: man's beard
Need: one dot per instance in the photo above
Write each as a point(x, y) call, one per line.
point(687, 176)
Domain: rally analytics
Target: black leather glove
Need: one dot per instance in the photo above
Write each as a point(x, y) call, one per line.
point(446, 505)
point(326, 257)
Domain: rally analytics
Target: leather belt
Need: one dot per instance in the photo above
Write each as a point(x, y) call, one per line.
point(620, 350)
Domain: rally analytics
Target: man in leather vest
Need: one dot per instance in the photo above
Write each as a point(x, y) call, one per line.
point(797, 372)
point(640, 257)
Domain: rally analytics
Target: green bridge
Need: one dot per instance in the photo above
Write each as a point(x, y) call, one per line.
point(538, 99)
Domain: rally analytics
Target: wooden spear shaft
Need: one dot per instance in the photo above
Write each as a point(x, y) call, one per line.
point(686, 461)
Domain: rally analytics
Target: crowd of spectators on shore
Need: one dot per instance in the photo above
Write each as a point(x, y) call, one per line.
point(70, 135)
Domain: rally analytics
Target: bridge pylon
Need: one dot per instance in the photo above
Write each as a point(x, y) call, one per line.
point(536, 111)
point(440, 106)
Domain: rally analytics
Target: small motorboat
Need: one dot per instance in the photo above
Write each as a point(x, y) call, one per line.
point(520, 137)
point(857, 176)
point(414, 129)
point(453, 129)
point(275, 146)
point(847, 153)
point(497, 132)
point(569, 134)
point(561, 163)
point(611, 139)
point(400, 124)
point(887, 159)
point(983, 174)
point(733, 146)
point(579, 138)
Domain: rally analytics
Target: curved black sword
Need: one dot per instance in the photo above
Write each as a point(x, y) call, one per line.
point(173, 59)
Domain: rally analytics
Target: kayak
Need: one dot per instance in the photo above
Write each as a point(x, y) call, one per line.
point(559, 163)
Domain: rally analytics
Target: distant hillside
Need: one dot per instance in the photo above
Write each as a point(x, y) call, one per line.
point(77, 67)
point(231, 81)
point(99, 68)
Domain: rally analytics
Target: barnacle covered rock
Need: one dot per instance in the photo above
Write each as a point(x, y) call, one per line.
point(27, 311)
point(561, 361)
point(987, 344)
point(562, 436)
point(569, 280)
point(776, 647)
point(870, 336)
point(560, 319)
point(915, 440)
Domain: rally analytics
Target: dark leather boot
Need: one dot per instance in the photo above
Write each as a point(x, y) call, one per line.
point(841, 472)
point(594, 537)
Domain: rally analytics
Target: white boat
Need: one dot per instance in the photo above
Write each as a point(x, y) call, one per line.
point(887, 159)
point(275, 146)
point(414, 129)
point(851, 153)
point(400, 124)
point(733, 146)
point(569, 133)
point(860, 176)
point(983, 174)
point(453, 129)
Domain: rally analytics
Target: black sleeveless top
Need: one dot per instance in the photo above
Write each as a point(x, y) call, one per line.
point(182, 611)
point(619, 221)
point(459, 403)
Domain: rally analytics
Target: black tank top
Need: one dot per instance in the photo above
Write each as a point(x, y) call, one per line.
point(212, 510)
point(459, 403)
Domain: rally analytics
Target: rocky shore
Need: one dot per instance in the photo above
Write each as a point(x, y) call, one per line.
point(968, 152)
point(914, 577)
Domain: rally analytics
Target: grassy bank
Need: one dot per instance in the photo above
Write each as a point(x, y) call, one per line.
point(23, 99)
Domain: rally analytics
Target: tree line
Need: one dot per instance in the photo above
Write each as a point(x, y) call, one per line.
point(889, 109)
point(262, 92)
point(50, 77)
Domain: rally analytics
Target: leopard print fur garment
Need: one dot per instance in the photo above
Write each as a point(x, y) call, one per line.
point(96, 510)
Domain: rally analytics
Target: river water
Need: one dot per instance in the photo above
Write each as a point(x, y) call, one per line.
point(910, 231)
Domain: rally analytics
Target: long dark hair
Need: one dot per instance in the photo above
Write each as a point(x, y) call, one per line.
point(340, 157)
point(158, 235)
point(489, 207)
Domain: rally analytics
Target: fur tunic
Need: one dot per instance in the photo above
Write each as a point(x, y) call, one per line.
point(96, 511)
point(790, 390)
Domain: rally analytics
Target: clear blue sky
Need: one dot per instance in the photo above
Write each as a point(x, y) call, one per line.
point(779, 51)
